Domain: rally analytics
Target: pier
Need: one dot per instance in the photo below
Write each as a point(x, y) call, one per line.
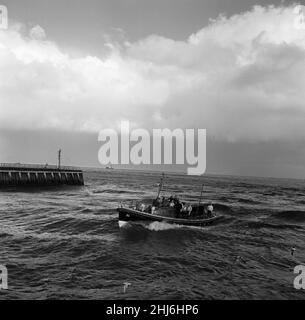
point(17, 174)
point(39, 175)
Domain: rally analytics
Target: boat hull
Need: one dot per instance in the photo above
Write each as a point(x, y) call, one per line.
point(131, 215)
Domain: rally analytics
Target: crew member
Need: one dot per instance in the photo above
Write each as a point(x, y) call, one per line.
point(210, 210)
point(190, 209)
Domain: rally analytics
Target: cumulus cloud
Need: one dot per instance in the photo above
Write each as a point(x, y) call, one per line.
point(241, 77)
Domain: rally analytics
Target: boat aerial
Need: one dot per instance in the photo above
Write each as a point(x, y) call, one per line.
point(169, 210)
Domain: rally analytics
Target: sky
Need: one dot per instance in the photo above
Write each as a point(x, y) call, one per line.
point(235, 67)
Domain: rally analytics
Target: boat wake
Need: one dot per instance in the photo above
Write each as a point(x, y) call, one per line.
point(161, 226)
point(156, 225)
point(123, 224)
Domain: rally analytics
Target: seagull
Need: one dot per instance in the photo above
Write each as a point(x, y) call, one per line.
point(293, 250)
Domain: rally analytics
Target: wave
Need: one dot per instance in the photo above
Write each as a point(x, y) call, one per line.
point(95, 211)
point(161, 226)
point(222, 208)
point(116, 191)
point(152, 226)
point(269, 225)
point(295, 216)
point(248, 201)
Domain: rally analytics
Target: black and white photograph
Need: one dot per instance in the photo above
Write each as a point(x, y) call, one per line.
point(152, 150)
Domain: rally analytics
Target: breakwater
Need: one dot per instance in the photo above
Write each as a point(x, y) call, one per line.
point(39, 175)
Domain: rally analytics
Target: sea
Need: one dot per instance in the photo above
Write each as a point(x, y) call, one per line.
point(66, 243)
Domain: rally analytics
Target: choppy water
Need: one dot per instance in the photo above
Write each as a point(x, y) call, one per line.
point(66, 243)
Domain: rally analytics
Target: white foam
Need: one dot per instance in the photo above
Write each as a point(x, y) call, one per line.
point(123, 224)
point(160, 226)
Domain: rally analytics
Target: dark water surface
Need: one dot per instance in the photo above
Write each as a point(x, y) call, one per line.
point(66, 243)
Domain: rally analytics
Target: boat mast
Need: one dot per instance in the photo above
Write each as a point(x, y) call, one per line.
point(201, 195)
point(160, 185)
point(59, 158)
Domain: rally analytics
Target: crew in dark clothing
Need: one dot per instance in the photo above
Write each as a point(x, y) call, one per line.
point(178, 207)
point(163, 202)
point(157, 202)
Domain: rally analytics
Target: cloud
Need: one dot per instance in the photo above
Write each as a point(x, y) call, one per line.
point(37, 33)
point(241, 77)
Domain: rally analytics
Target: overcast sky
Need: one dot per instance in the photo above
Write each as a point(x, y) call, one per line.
point(235, 67)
